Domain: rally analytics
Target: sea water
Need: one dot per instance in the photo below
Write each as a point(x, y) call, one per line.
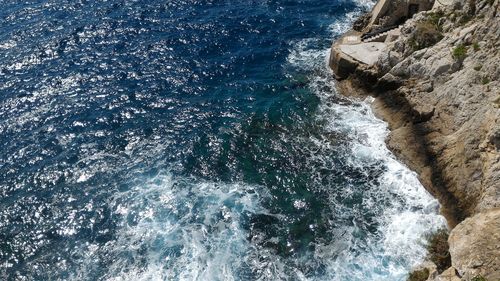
point(194, 140)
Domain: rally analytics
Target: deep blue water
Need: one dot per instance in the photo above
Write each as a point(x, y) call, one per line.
point(194, 140)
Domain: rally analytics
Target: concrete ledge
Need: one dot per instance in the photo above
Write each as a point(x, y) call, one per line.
point(341, 64)
point(367, 53)
point(348, 54)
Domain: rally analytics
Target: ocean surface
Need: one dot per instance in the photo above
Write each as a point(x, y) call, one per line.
point(194, 140)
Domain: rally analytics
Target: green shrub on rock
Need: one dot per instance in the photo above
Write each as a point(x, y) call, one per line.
point(475, 46)
point(425, 35)
point(485, 80)
point(479, 278)
point(459, 52)
point(434, 17)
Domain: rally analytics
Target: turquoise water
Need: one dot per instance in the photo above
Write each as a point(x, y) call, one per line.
point(194, 140)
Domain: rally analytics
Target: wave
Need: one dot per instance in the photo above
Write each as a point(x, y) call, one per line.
point(177, 229)
point(409, 213)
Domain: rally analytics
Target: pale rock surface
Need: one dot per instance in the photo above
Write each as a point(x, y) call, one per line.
point(448, 275)
point(475, 246)
point(457, 101)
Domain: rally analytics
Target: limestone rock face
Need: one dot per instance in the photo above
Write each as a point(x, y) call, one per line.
point(453, 137)
point(471, 247)
point(442, 102)
point(458, 100)
point(341, 63)
point(453, 106)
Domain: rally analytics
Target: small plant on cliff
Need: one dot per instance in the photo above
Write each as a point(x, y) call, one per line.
point(478, 278)
point(459, 52)
point(485, 80)
point(434, 17)
point(419, 275)
point(475, 46)
point(478, 67)
point(439, 250)
point(425, 35)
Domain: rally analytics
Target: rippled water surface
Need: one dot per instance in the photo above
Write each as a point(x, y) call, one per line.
point(194, 140)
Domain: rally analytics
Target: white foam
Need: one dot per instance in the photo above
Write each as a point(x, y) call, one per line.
point(302, 54)
point(188, 230)
point(407, 220)
point(411, 215)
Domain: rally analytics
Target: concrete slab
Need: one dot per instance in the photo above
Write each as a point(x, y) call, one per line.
point(367, 53)
point(351, 39)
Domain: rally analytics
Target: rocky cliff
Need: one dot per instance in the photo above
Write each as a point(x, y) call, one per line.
point(437, 86)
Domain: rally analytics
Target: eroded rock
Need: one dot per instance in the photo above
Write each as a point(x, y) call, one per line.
point(475, 246)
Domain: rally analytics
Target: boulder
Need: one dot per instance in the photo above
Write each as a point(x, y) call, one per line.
point(440, 66)
point(448, 275)
point(475, 246)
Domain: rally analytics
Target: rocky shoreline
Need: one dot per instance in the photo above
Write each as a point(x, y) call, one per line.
point(437, 86)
